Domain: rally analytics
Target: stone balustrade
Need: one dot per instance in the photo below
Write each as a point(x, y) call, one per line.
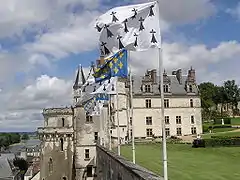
point(59, 130)
point(111, 166)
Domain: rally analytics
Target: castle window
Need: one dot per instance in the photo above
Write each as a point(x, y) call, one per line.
point(50, 165)
point(96, 136)
point(166, 119)
point(191, 102)
point(167, 130)
point(87, 156)
point(149, 120)
point(165, 88)
point(192, 119)
point(130, 121)
point(179, 131)
point(61, 144)
point(166, 103)
point(148, 88)
point(190, 88)
point(89, 119)
point(89, 171)
point(63, 122)
point(149, 132)
point(64, 178)
point(178, 120)
point(193, 130)
point(148, 103)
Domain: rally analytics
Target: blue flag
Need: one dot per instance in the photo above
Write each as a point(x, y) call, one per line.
point(114, 66)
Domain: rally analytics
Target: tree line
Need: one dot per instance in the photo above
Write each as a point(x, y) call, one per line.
point(215, 97)
point(7, 139)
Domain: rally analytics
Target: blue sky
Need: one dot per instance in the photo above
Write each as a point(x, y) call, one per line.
point(42, 43)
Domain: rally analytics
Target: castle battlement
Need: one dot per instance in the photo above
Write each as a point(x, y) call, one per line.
point(57, 111)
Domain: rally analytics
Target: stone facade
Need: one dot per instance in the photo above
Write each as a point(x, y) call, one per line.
point(70, 136)
point(57, 144)
point(111, 166)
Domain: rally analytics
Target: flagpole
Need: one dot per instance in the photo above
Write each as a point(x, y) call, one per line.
point(118, 128)
point(109, 122)
point(164, 143)
point(131, 112)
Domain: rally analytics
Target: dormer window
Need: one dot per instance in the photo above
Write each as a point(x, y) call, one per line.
point(165, 88)
point(147, 88)
point(190, 88)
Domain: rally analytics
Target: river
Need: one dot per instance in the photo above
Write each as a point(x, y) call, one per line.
point(15, 148)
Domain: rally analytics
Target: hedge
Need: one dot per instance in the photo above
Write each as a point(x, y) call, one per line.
point(219, 121)
point(216, 142)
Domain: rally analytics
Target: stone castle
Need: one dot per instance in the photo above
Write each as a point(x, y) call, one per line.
point(70, 136)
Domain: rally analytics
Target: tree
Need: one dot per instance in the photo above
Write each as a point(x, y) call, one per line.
point(20, 163)
point(25, 137)
point(232, 93)
point(207, 91)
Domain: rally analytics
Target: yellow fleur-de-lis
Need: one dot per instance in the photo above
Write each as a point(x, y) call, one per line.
point(121, 54)
point(111, 65)
point(115, 70)
point(115, 59)
point(120, 65)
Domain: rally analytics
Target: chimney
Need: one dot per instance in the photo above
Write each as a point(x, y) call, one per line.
point(179, 75)
point(191, 75)
point(154, 75)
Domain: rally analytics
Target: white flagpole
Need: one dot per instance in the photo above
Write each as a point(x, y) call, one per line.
point(164, 143)
point(131, 112)
point(109, 122)
point(118, 128)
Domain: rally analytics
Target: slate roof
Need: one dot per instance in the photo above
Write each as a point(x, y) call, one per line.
point(175, 87)
point(5, 168)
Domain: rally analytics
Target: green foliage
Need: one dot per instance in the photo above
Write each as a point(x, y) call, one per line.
point(20, 163)
point(7, 139)
point(223, 141)
point(212, 96)
point(219, 121)
point(25, 137)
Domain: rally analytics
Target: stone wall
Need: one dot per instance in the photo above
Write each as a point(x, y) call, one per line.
point(110, 166)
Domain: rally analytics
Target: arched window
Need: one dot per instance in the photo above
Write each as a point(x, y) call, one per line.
point(50, 165)
point(64, 178)
point(63, 122)
point(61, 144)
point(190, 88)
point(191, 102)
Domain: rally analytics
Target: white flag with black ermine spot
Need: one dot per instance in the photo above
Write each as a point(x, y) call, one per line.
point(107, 87)
point(134, 27)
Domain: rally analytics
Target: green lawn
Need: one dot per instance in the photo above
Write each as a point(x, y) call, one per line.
point(235, 121)
point(187, 163)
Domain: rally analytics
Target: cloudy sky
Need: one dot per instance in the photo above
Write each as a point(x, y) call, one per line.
point(42, 42)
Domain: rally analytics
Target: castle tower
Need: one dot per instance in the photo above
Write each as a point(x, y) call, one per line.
point(77, 87)
point(57, 144)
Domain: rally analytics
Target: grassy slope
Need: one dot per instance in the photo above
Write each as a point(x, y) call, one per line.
point(186, 163)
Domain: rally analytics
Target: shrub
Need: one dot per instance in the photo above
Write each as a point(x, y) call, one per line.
point(198, 143)
point(218, 142)
point(219, 121)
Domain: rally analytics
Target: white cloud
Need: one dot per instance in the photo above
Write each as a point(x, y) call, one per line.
point(235, 12)
point(79, 36)
point(177, 55)
point(23, 108)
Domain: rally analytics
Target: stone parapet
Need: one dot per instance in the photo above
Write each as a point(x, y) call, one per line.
point(52, 130)
point(57, 111)
point(112, 166)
